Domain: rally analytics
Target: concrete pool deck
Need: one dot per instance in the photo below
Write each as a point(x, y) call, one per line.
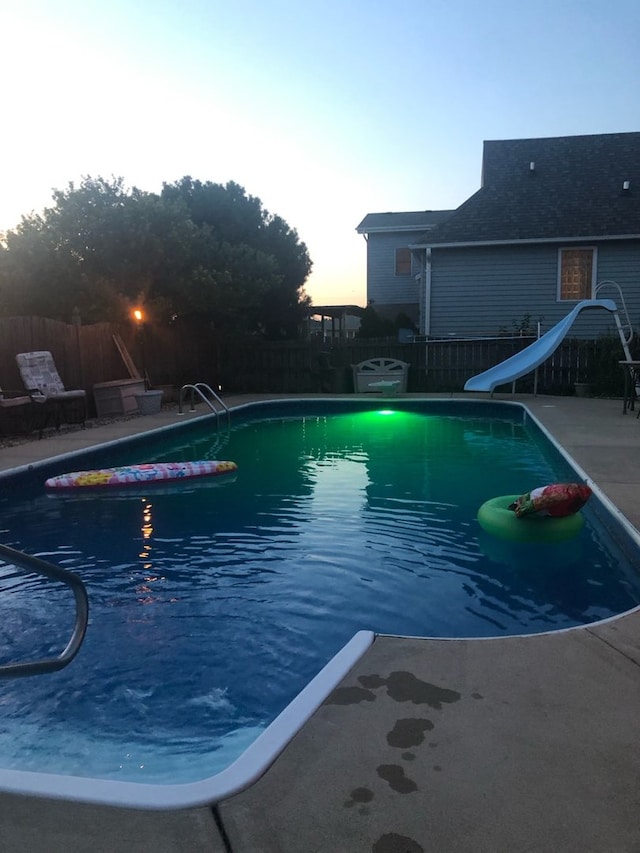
point(512, 744)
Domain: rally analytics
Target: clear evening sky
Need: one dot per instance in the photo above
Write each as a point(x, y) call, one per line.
point(325, 109)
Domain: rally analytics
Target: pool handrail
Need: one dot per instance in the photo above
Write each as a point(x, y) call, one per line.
point(199, 388)
point(48, 570)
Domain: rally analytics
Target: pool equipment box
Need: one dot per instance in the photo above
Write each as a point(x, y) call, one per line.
point(117, 397)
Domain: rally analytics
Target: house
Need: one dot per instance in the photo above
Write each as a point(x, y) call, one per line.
point(393, 270)
point(554, 217)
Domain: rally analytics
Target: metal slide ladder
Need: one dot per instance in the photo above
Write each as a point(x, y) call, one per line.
point(207, 395)
point(48, 570)
point(625, 330)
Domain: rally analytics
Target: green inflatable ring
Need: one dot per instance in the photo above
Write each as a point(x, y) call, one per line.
point(495, 517)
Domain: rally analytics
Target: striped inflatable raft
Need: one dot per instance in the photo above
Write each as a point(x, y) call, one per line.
point(140, 475)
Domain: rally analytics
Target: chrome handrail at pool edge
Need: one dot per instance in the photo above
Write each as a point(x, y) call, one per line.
point(199, 388)
point(48, 570)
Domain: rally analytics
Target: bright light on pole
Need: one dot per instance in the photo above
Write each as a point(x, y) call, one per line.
point(139, 318)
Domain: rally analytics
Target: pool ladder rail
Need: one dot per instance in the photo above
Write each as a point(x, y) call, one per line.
point(48, 570)
point(207, 395)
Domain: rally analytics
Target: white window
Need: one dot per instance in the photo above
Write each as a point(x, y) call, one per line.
point(576, 274)
point(403, 261)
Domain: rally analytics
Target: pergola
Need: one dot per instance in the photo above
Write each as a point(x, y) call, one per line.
point(337, 314)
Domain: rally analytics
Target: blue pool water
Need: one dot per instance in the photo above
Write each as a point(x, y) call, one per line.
point(213, 605)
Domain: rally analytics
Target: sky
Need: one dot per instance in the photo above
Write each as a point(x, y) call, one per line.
point(326, 110)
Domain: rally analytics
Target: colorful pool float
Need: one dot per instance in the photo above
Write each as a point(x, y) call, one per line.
point(137, 475)
point(495, 517)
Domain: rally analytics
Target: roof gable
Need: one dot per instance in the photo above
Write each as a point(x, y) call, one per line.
point(411, 221)
point(566, 188)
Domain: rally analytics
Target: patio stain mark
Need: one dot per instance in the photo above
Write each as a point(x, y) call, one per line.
point(405, 687)
point(359, 796)
point(394, 843)
point(401, 686)
point(409, 732)
point(349, 696)
point(372, 681)
point(396, 778)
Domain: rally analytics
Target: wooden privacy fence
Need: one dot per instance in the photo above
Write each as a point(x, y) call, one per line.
point(179, 354)
point(83, 354)
point(86, 355)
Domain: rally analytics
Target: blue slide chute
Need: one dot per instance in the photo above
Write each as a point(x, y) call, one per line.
point(532, 356)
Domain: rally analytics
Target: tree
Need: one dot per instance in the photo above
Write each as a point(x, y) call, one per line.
point(246, 261)
point(196, 249)
point(100, 248)
point(372, 325)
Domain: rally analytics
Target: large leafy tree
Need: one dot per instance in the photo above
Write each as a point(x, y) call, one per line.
point(196, 249)
point(246, 261)
point(99, 248)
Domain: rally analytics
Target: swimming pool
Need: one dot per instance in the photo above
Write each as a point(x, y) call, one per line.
point(213, 607)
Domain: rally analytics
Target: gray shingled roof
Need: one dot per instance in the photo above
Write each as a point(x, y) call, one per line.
point(411, 221)
point(575, 190)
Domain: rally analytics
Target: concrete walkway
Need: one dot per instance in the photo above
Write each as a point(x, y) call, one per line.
point(518, 745)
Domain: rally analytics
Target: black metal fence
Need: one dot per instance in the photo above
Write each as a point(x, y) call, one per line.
point(176, 355)
point(435, 366)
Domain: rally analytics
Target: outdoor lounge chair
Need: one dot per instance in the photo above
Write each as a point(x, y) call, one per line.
point(40, 377)
point(19, 413)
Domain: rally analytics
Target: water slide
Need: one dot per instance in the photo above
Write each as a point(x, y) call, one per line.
point(532, 356)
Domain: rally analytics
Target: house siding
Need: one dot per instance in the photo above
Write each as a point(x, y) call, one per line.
point(620, 262)
point(384, 287)
point(489, 290)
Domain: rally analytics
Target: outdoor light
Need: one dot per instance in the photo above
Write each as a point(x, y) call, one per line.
point(139, 318)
